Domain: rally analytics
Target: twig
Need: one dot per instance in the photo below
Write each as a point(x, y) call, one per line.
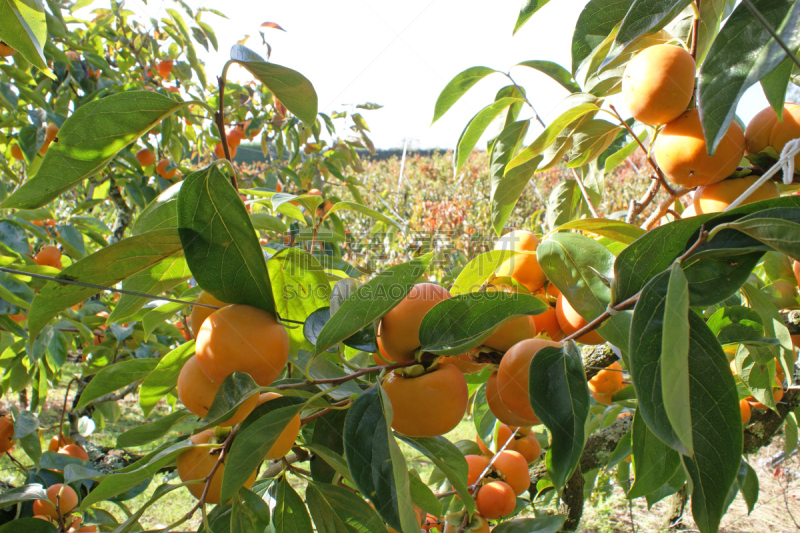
point(354, 375)
point(114, 396)
point(760, 18)
point(64, 410)
point(664, 206)
point(325, 411)
point(585, 193)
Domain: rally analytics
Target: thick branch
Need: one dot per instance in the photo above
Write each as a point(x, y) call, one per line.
point(572, 498)
point(766, 423)
point(595, 358)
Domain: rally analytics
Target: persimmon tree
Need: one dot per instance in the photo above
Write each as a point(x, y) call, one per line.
point(220, 289)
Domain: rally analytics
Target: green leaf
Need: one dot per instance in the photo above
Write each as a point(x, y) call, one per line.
point(529, 7)
point(573, 108)
point(755, 365)
point(713, 399)
point(747, 481)
point(675, 357)
point(371, 301)
point(292, 88)
point(459, 324)
point(115, 377)
point(129, 477)
point(234, 390)
point(14, 292)
point(790, 434)
point(457, 87)
point(157, 279)
point(256, 436)
point(478, 271)
point(742, 54)
point(290, 514)
point(775, 85)
point(590, 140)
point(564, 203)
point(25, 30)
point(378, 468)
point(558, 73)
point(21, 494)
point(29, 525)
point(595, 23)
point(89, 139)
point(780, 235)
point(736, 324)
point(161, 213)
point(336, 510)
point(560, 399)
point(328, 431)
point(647, 16)
point(300, 287)
point(543, 524)
point(249, 512)
point(504, 148)
point(774, 326)
point(164, 377)
point(157, 315)
point(605, 227)
point(147, 433)
point(106, 267)
point(13, 238)
point(654, 462)
point(220, 243)
point(477, 126)
point(449, 459)
point(364, 210)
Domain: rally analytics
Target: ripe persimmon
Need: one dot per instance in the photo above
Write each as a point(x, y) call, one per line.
point(241, 338)
point(399, 328)
point(285, 441)
point(759, 129)
point(523, 267)
point(513, 467)
point(495, 500)
point(476, 465)
point(196, 464)
point(48, 256)
point(146, 157)
point(161, 169)
point(59, 495)
point(529, 447)
point(681, 152)
point(602, 398)
point(197, 393)
point(315, 192)
point(570, 321)
point(428, 405)
point(503, 434)
point(199, 313)
point(74, 450)
point(219, 151)
point(608, 380)
point(164, 68)
point(744, 407)
point(16, 152)
point(235, 136)
point(518, 240)
point(716, 197)
point(5, 50)
point(512, 375)
point(500, 410)
point(6, 435)
point(658, 83)
point(58, 442)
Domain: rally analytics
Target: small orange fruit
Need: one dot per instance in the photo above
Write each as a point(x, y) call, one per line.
point(496, 500)
point(146, 157)
point(164, 68)
point(48, 256)
point(607, 381)
point(476, 464)
point(5, 50)
point(570, 321)
point(285, 441)
point(513, 375)
point(16, 152)
point(514, 469)
point(744, 407)
point(59, 494)
point(399, 328)
point(161, 169)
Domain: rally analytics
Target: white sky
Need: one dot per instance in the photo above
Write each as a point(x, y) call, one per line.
point(401, 55)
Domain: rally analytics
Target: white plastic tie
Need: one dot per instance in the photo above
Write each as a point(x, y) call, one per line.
point(785, 163)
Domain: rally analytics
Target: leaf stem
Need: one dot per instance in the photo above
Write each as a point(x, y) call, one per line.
point(525, 97)
point(695, 27)
point(585, 193)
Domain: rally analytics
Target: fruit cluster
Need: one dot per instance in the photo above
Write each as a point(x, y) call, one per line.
point(658, 86)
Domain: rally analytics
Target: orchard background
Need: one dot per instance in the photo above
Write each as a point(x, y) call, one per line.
point(590, 328)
